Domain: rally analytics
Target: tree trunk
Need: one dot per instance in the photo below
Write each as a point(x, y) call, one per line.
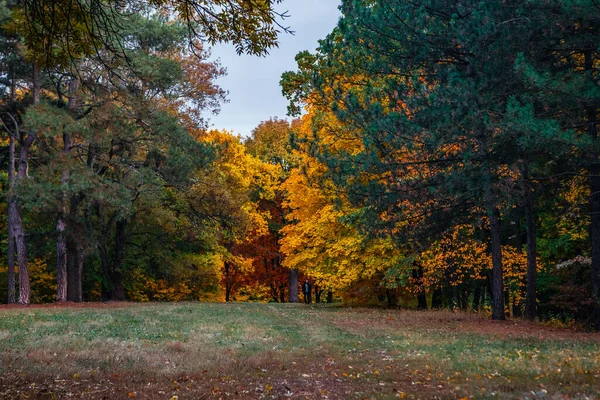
point(594, 182)
point(293, 290)
point(61, 260)
point(11, 236)
point(496, 249)
point(530, 301)
point(19, 230)
point(61, 240)
point(329, 297)
point(11, 200)
point(455, 304)
point(392, 297)
point(227, 283)
point(421, 296)
point(76, 250)
point(15, 212)
point(117, 291)
point(464, 298)
point(318, 292)
point(476, 297)
point(436, 299)
point(74, 271)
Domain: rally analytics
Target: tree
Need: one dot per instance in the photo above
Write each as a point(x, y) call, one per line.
point(427, 87)
point(271, 143)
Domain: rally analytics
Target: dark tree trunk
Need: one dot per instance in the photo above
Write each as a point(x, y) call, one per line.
point(74, 271)
point(282, 294)
point(436, 299)
point(464, 299)
point(484, 289)
point(19, 230)
point(417, 275)
point(495, 233)
point(455, 304)
point(227, 281)
point(392, 298)
point(76, 251)
point(497, 280)
point(11, 235)
point(61, 259)
point(293, 290)
point(15, 211)
point(329, 297)
point(476, 297)
point(594, 182)
point(516, 309)
point(531, 282)
point(117, 291)
point(318, 292)
point(61, 240)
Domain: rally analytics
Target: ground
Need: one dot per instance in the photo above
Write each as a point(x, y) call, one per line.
point(249, 350)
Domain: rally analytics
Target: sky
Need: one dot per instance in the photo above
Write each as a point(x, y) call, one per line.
point(253, 82)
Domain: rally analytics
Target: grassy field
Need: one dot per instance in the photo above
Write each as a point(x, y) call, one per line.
point(246, 350)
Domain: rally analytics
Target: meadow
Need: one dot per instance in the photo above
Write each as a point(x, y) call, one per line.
point(251, 350)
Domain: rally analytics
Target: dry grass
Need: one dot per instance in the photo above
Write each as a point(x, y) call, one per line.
point(195, 350)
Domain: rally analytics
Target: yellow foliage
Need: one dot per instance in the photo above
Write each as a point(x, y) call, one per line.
point(316, 242)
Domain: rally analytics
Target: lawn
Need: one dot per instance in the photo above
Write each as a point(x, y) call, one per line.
point(249, 350)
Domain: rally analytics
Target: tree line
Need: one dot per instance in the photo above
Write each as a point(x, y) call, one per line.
point(444, 154)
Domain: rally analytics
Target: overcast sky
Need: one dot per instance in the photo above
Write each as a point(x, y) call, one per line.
point(253, 82)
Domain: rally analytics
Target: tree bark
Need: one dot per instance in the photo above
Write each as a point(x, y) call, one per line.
point(495, 231)
point(476, 297)
point(11, 205)
point(15, 212)
point(76, 250)
point(530, 301)
point(436, 299)
point(496, 249)
point(61, 240)
point(74, 271)
point(227, 283)
point(117, 291)
point(293, 290)
point(61, 260)
point(19, 230)
point(594, 182)
point(421, 296)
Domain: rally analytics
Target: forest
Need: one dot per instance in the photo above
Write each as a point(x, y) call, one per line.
point(436, 155)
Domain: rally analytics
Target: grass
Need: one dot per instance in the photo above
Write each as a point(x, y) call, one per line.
point(248, 350)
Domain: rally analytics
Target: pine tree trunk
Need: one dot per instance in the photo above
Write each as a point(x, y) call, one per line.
point(19, 237)
point(11, 236)
point(61, 261)
point(19, 230)
point(74, 271)
point(227, 281)
point(293, 290)
point(75, 251)
point(495, 232)
point(117, 291)
point(61, 240)
point(436, 299)
point(15, 211)
point(530, 301)
point(476, 297)
point(594, 182)
point(421, 296)
point(497, 281)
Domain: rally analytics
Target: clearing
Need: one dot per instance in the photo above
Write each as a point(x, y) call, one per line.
point(250, 350)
